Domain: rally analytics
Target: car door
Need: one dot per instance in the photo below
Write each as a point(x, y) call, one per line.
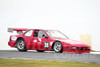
point(44, 45)
point(41, 40)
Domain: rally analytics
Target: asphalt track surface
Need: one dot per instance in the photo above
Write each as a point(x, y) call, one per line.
point(50, 55)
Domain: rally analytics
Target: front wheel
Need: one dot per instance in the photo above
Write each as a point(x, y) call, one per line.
point(57, 47)
point(20, 44)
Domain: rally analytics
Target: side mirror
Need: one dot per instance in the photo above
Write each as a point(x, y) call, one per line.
point(44, 36)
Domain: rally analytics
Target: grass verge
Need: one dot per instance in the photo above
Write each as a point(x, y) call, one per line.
point(42, 63)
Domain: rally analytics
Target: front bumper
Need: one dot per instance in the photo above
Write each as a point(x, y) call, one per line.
point(76, 49)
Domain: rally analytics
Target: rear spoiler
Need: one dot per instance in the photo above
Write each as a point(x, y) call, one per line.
point(19, 30)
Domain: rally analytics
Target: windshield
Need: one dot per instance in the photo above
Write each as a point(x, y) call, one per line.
point(56, 34)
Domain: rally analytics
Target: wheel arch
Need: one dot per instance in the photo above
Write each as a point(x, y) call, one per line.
point(18, 39)
point(54, 43)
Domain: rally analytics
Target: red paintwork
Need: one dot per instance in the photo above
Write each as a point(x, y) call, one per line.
point(39, 45)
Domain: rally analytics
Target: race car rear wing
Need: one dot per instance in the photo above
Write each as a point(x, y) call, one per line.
point(19, 30)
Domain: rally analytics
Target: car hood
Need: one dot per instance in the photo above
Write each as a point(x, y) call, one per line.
point(74, 42)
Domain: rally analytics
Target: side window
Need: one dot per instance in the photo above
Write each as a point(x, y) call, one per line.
point(36, 33)
point(41, 34)
point(29, 33)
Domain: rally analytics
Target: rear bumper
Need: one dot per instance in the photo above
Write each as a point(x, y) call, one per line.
point(77, 50)
point(12, 43)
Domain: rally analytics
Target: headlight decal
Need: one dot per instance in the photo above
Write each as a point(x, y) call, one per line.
point(13, 38)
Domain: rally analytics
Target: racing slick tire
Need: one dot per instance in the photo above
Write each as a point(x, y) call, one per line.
point(40, 50)
point(20, 45)
point(57, 47)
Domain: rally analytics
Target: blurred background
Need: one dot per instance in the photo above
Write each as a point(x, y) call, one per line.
point(78, 19)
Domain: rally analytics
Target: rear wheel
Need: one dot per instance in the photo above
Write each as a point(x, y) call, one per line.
point(40, 50)
point(20, 44)
point(57, 47)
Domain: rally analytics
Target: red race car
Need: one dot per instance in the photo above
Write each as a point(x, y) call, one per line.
point(45, 40)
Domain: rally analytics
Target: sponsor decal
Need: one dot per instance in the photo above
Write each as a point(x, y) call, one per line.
point(34, 40)
point(51, 43)
point(39, 39)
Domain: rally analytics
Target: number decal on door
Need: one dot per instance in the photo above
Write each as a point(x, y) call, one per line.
point(46, 44)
